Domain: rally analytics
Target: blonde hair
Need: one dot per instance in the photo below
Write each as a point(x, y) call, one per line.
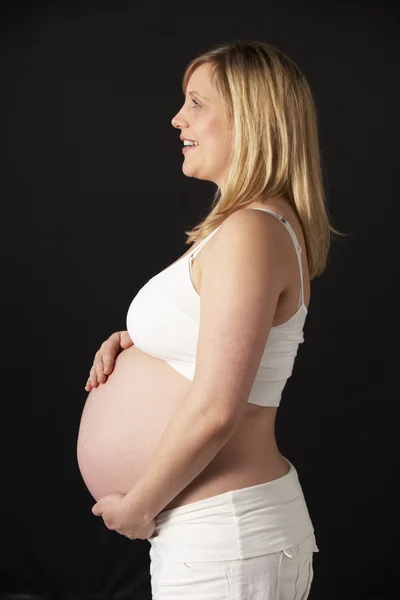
point(275, 149)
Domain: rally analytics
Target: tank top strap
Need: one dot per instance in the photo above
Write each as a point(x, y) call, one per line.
point(297, 246)
point(202, 243)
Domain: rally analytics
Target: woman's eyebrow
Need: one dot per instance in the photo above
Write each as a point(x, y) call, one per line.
point(196, 92)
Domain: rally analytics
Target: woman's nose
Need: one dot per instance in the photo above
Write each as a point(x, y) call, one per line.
point(177, 121)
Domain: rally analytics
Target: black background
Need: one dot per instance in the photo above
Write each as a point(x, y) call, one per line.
point(94, 203)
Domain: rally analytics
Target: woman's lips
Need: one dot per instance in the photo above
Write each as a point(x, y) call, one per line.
point(186, 148)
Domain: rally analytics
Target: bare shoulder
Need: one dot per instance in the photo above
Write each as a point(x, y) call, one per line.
point(249, 226)
point(248, 235)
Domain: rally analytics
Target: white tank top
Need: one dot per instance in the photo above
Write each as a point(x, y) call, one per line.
point(163, 320)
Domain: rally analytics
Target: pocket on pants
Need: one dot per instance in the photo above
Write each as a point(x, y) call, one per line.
point(306, 581)
point(216, 566)
point(295, 575)
point(184, 580)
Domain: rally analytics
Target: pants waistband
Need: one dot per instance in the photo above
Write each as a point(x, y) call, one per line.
point(238, 524)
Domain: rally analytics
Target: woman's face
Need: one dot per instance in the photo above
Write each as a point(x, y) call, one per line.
point(203, 120)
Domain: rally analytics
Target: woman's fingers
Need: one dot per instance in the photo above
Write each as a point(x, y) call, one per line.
point(93, 376)
point(125, 340)
point(108, 362)
point(111, 349)
point(99, 366)
point(99, 371)
point(104, 359)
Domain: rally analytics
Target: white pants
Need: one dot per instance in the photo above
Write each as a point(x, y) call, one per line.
point(255, 543)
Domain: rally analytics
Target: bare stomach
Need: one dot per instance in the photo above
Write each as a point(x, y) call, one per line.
point(123, 420)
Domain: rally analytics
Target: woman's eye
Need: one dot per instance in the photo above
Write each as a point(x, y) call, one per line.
point(197, 104)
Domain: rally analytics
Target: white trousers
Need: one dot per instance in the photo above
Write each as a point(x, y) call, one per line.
point(255, 543)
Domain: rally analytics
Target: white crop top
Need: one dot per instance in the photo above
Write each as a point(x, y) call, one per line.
point(163, 320)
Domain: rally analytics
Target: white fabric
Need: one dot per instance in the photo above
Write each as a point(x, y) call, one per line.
point(255, 543)
point(163, 320)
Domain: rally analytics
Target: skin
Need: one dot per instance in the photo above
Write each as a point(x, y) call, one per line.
point(202, 118)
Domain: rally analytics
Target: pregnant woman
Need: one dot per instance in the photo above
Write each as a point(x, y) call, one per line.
point(176, 440)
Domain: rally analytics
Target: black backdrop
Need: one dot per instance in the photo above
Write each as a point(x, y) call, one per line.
point(94, 203)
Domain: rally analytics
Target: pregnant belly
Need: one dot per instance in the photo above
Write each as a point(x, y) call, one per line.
point(123, 420)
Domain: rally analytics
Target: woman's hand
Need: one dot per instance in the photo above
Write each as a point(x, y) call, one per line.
point(118, 515)
point(104, 359)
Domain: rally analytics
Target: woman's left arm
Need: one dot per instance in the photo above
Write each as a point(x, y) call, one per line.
point(240, 288)
point(190, 441)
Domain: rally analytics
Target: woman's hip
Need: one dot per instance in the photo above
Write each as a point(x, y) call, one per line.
point(283, 575)
point(236, 525)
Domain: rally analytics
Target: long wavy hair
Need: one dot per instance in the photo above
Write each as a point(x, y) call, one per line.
point(275, 147)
